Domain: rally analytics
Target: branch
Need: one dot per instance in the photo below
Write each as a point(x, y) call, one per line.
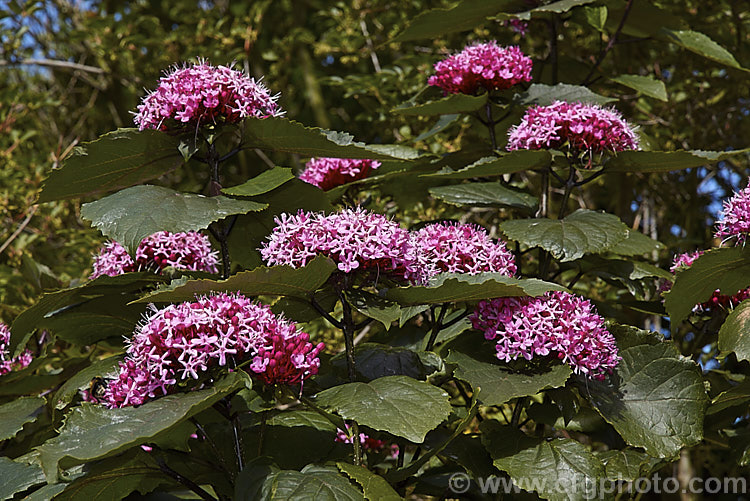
point(54, 63)
point(611, 42)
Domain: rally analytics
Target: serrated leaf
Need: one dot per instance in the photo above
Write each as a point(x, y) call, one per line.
point(116, 160)
point(544, 95)
point(582, 232)
point(636, 244)
point(318, 483)
point(734, 335)
point(262, 183)
point(702, 45)
point(395, 404)
point(515, 161)
point(73, 385)
point(494, 385)
point(93, 432)
point(491, 194)
point(625, 465)
point(663, 161)
point(17, 413)
point(375, 307)
point(645, 85)
point(376, 488)
point(455, 287)
point(726, 269)
point(16, 476)
point(127, 217)
point(455, 103)
point(656, 398)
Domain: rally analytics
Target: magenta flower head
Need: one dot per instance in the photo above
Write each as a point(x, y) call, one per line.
point(204, 94)
point(7, 362)
point(460, 248)
point(181, 342)
point(355, 239)
point(582, 127)
point(327, 173)
point(684, 261)
point(735, 222)
point(480, 66)
point(556, 324)
point(189, 251)
point(368, 443)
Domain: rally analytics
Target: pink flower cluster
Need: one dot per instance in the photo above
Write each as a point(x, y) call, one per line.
point(556, 323)
point(327, 173)
point(181, 342)
point(201, 94)
point(684, 261)
point(354, 238)
point(184, 251)
point(583, 127)
point(482, 66)
point(368, 443)
point(8, 363)
point(460, 248)
point(517, 25)
point(735, 222)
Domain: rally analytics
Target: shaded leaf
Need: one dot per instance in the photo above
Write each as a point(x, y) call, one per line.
point(262, 183)
point(455, 103)
point(16, 476)
point(544, 95)
point(736, 395)
point(557, 7)
point(734, 335)
point(83, 378)
point(375, 487)
point(442, 123)
point(17, 413)
point(627, 464)
point(491, 194)
point(702, 45)
point(645, 85)
point(636, 244)
point(313, 482)
point(375, 307)
point(515, 161)
point(373, 361)
point(663, 161)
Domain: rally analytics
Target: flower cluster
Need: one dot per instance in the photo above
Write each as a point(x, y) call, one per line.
point(517, 25)
point(460, 248)
point(184, 251)
point(201, 94)
point(368, 443)
point(556, 323)
point(8, 363)
point(353, 238)
point(482, 66)
point(735, 222)
point(183, 341)
point(583, 127)
point(684, 261)
point(327, 173)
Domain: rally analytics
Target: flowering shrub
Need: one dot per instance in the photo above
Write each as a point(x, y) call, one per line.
point(735, 218)
point(183, 251)
point(482, 66)
point(7, 362)
point(205, 94)
point(327, 173)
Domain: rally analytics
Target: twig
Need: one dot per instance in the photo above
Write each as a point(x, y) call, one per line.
point(436, 327)
point(314, 303)
point(370, 45)
point(183, 480)
point(54, 63)
point(20, 228)
point(610, 44)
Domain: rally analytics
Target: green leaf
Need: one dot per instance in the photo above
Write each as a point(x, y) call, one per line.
point(128, 216)
point(373, 306)
point(313, 482)
point(508, 163)
point(280, 134)
point(544, 95)
point(455, 103)
point(93, 432)
point(645, 85)
point(442, 123)
point(582, 232)
point(557, 7)
point(262, 183)
point(736, 395)
point(494, 385)
point(627, 464)
point(83, 378)
point(17, 413)
point(557, 469)
point(702, 45)
point(734, 335)
point(273, 281)
point(663, 161)
point(656, 398)
point(17, 477)
point(596, 16)
point(116, 160)
point(726, 269)
point(636, 244)
point(492, 194)
point(395, 404)
point(374, 360)
point(456, 287)
point(376, 488)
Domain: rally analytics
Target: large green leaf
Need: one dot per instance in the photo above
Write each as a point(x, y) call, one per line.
point(273, 281)
point(557, 469)
point(558, 7)
point(17, 477)
point(280, 134)
point(645, 85)
point(374, 360)
point(702, 45)
point(134, 213)
point(262, 183)
point(17, 413)
point(734, 335)
point(636, 244)
point(544, 95)
point(662, 161)
point(313, 482)
point(656, 398)
point(375, 307)
point(456, 287)
point(494, 385)
point(83, 378)
point(582, 232)
point(508, 163)
point(116, 160)
point(93, 432)
point(726, 269)
point(376, 488)
point(626, 464)
point(395, 404)
point(455, 103)
point(492, 194)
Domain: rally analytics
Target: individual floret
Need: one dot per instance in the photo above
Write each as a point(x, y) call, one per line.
point(327, 173)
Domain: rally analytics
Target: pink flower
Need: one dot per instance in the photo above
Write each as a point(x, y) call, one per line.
point(555, 324)
point(184, 251)
point(582, 127)
point(460, 248)
point(185, 341)
point(482, 66)
point(8, 363)
point(354, 238)
point(684, 261)
point(201, 94)
point(368, 443)
point(735, 221)
point(327, 173)
point(517, 25)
